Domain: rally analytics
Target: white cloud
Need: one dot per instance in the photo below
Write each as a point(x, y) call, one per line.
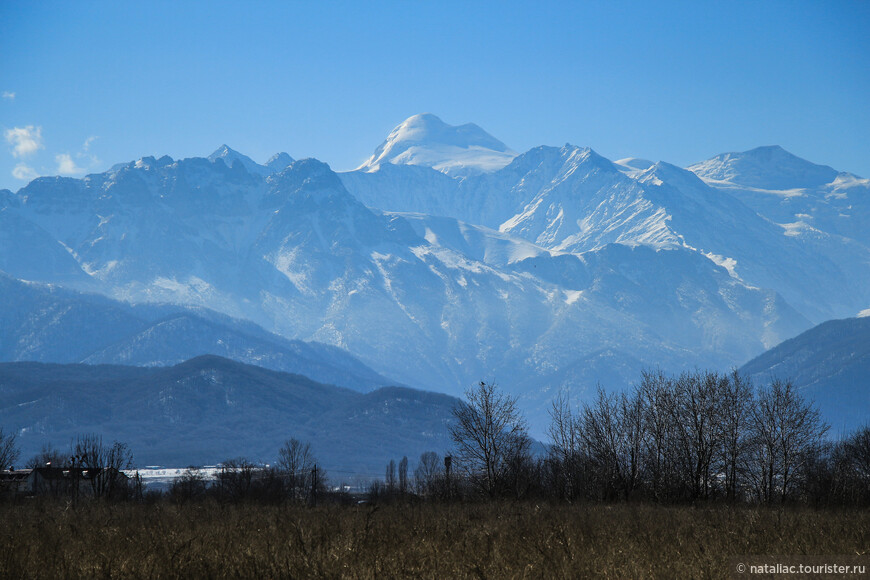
point(24, 172)
point(85, 153)
point(66, 165)
point(24, 140)
point(9, 95)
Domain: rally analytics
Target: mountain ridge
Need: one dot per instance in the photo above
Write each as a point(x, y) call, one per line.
point(47, 324)
point(571, 199)
point(829, 364)
point(209, 409)
point(440, 279)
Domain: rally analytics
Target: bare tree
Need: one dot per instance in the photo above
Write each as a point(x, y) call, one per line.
point(190, 486)
point(612, 432)
point(631, 418)
point(489, 433)
point(296, 462)
point(9, 451)
point(565, 448)
point(563, 427)
point(787, 432)
point(698, 428)
point(48, 457)
point(857, 447)
point(657, 394)
point(403, 476)
point(235, 480)
point(428, 472)
point(736, 407)
point(852, 467)
point(89, 452)
point(390, 477)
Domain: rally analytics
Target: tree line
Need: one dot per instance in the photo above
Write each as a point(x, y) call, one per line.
point(295, 475)
point(698, 436)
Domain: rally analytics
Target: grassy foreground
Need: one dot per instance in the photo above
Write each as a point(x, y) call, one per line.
point(508, 540)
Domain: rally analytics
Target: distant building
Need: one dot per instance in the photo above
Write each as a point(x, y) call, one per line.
point(63, 481)
point(15, 482)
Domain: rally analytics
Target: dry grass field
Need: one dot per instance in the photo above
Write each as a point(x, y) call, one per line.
point(494, 540)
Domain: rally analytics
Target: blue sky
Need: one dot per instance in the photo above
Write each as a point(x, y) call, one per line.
point(87, 85)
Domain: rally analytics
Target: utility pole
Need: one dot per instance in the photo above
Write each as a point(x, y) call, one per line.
point(314, 485)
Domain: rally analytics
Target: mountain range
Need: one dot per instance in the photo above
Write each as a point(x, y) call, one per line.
point(448, 258)
point(210, 409)
point(43, 323)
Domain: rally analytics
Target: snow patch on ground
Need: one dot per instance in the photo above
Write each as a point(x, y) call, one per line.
point(100, 272)
point(728, 263)
point(572, 296)
point(192, 289)
point(431, 237)
point(799, 228)
point(284, 262)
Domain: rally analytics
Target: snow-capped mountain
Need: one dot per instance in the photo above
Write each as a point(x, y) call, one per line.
point(571, 199)
point(808, 201)
point(530, 271)
point(428, 141)
point(766, 168)
point(431, 302)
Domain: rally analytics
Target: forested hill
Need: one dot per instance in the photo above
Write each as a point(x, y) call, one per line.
point(830, 363)
point(209, 409)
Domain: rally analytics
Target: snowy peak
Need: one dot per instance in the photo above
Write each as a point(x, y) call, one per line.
point(556, 163)
point(230, 156)
point(310, 186)
point(770, 167)
point(307, 175)
point(577, 156)
point(279, 161)
point(427, 128)
point(668, 173)
point(150, 162)
point(455, 150)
